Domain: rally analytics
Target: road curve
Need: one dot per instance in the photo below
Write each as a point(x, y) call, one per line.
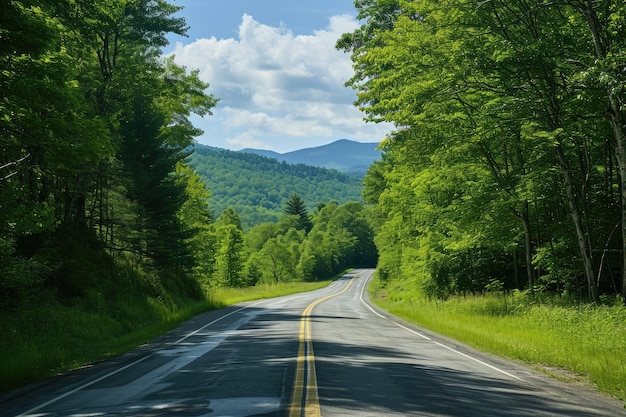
point(326, 352)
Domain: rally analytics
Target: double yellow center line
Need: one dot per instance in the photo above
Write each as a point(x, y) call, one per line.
point(305, 401)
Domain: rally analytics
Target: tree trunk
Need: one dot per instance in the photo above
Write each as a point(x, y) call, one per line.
point(528, 244)
point(602, 45)
point(620, 156)
point(581, 236)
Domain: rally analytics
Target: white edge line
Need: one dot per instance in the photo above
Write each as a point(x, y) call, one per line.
point(75, 390)
point(479, 361)
point(437, 343)
point(215, 321)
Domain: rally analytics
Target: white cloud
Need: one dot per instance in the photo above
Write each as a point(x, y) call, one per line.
point(273, 83)
point(246, 140)
point(291, 124)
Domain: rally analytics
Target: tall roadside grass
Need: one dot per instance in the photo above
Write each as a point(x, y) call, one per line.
point(563, 337)
point(37, 343)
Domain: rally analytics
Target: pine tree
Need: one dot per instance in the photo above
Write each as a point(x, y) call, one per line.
point(296, 207)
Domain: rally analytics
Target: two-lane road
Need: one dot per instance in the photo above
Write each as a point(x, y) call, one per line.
point(326, 352)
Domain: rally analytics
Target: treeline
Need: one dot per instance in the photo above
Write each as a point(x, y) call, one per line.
point(508, 165)
point(96, 199)
point(258, 187)
point(299, 247)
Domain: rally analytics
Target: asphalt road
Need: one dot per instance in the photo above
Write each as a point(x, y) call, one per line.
point(325, 352)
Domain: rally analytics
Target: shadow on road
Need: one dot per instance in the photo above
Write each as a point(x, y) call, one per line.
point(254, 364)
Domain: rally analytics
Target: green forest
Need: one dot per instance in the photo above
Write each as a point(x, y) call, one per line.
point(258, 187)
point(508, 166)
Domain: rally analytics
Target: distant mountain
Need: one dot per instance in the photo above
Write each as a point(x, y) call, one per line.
point(258, 187)
point(263, 152)
point(343, 155)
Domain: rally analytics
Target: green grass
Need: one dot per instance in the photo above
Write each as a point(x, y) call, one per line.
point(38, 343)
point(582, 342)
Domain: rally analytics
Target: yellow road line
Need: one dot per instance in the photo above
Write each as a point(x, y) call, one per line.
point(305, 400)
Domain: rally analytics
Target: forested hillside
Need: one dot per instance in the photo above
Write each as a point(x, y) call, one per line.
point(258, 187)
point(508, 165)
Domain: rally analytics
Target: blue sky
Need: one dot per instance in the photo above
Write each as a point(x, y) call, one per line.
point(274, 67)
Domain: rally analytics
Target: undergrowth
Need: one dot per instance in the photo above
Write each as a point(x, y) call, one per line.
point(52, 338)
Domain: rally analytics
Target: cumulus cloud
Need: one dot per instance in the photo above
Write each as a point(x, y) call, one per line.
point(273, 83)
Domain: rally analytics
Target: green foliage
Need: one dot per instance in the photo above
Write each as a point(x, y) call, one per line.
point(258, 188)
point(92, 126)
point(279, 260)
point(150, 167)
point(229, 251)
point(500, 167)
point(341, 236)
point(76, 335)
point(252, 274)
point(194, 215)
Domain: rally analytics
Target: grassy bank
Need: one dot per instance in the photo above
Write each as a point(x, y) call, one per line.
point(39, 342)
point(560, 336)
point(50, 338)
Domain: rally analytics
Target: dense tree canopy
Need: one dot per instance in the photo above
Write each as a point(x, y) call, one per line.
point(505, 156)
point(93, 122)
point(340, 236)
